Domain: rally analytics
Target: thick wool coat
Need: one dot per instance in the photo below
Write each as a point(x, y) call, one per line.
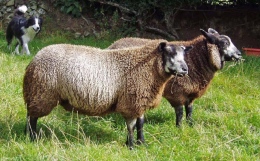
point(94, 81)
point(203, 62)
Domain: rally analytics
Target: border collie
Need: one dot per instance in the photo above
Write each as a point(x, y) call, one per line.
point(24, 30)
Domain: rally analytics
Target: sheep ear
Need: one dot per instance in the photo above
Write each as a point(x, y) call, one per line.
point(187, 48)
point(212, 31)
point(210, 37)
point(162, 46)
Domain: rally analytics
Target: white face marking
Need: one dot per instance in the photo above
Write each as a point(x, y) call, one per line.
point(168, 48)
point(36, 26)
point(177, 62)
point(166, 67)
point(231, 50)
point(231, 47)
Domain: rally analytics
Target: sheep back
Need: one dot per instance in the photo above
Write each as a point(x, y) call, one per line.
point(131, 42)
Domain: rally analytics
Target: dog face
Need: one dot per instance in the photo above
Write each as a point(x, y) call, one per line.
point(35, 23)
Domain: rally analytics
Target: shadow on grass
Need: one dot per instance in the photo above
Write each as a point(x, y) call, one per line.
point(9, 132)
point(98, 130)
point(159, 117)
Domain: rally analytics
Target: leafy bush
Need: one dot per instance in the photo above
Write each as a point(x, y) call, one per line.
point(72, 7)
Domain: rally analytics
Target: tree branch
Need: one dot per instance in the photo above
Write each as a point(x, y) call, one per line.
point(169, 18)
point(160, 32)
point(123, 9)
point(87, 21)
point(173, 35)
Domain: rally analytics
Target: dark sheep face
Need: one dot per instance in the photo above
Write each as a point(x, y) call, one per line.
point(173, 58)
point(226, 48)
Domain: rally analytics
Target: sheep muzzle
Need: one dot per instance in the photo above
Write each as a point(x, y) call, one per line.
point(179, 74)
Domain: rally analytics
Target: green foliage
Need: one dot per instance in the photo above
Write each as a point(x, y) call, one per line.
point(227, 119)
point(72, 7)
point(75, 7)
point(113, 25)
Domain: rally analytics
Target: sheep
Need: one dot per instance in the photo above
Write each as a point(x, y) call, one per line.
point(210, 51)
point(96, 82)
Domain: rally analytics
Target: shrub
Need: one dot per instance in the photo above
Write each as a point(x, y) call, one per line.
point(72, 7)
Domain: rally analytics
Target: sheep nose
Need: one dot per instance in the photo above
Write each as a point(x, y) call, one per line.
point(239, 53)
point(184, 68)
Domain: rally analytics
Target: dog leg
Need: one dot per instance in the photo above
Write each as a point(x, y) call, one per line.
point(9, 47)
point(26, 49)
point(9, 36)
point(17, 48)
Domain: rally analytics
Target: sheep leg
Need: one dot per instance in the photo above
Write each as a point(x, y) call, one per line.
point(31, 127)
point(188, 110)
point(179, 114)
point(131, 123)
point(139, 128)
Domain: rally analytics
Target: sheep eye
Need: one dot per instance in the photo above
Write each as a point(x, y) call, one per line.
point(224, 43)
point(174, 53)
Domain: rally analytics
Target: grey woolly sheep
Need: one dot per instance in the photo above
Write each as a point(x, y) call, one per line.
point(208, 55)
point(96, 82)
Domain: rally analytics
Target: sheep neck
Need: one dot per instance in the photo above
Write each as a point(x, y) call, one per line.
point(214, 56)
point(200, 63)
point(145, 80)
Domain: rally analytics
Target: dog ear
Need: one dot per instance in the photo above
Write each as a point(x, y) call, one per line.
point(41, 20)
point(22, 22)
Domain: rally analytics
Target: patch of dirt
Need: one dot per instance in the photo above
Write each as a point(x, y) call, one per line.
point(58, 21)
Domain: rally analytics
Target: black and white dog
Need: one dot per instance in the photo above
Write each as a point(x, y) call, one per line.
point(23, 29)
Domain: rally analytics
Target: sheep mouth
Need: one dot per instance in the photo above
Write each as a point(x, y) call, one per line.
point(238, 58)
point(179, 74)
point(233, 58)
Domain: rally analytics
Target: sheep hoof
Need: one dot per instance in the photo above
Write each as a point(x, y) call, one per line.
point(190, 122)
point(130, 146)
point(140, 142)
point(33, 137)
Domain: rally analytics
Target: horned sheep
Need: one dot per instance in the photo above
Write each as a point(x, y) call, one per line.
point(210, 51)
point(96, 82)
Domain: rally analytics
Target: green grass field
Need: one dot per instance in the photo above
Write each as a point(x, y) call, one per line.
point(227, 119)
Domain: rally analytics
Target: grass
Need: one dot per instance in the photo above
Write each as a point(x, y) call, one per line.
point(227, 119)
